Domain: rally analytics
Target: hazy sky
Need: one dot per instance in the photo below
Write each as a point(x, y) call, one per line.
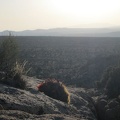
point(44, 14)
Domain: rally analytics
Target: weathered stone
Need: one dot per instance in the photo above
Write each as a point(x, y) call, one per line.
point(32, 104)
point(20, 115)
point(112, 104)
point(108, 110)
point(100, 107)
point(113, 113)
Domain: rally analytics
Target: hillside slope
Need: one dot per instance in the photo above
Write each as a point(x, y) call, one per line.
point(31, 104)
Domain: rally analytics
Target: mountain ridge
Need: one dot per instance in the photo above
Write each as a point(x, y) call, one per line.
point(75, 32)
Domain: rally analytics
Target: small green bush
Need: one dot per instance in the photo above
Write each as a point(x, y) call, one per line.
point(55, 89)
point(8, 53)
point(11, 71)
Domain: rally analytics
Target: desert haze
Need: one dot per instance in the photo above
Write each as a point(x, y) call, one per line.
point(83, 32)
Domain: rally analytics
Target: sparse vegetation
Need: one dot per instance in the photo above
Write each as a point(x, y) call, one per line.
point(74, 60)
point(8, 53)
point(55, 89)
point(11, 70)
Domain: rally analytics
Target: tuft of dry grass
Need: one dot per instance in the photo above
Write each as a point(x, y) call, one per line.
point(20, 68)
point(14, 77)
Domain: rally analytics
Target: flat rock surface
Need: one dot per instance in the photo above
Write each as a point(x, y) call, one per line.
point(18, 115)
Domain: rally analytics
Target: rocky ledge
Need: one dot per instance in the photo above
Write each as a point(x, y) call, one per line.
point(31, 104)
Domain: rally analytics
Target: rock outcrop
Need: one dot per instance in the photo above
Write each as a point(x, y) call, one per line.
point(108, 109)
point(32, 104)
point(16, 104)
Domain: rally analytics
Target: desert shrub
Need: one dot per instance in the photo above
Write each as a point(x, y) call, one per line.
point(55, 89)
point(8, 53)
point(14, 77)
point(111, 82)
point(11, 70)
point(17, 73)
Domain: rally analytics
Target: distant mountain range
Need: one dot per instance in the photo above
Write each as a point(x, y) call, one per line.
point(83, 32)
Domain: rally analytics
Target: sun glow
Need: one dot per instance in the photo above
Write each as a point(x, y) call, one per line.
point(85, 10)
point(45, 14)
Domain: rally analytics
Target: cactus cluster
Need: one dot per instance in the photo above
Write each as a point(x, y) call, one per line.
point(55, 89)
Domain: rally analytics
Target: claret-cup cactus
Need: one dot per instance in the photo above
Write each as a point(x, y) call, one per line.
point(55, 89)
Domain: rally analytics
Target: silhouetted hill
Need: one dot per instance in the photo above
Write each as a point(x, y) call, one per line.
point(85, 32)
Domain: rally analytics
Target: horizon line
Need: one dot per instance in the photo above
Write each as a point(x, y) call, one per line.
point(7, 30)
